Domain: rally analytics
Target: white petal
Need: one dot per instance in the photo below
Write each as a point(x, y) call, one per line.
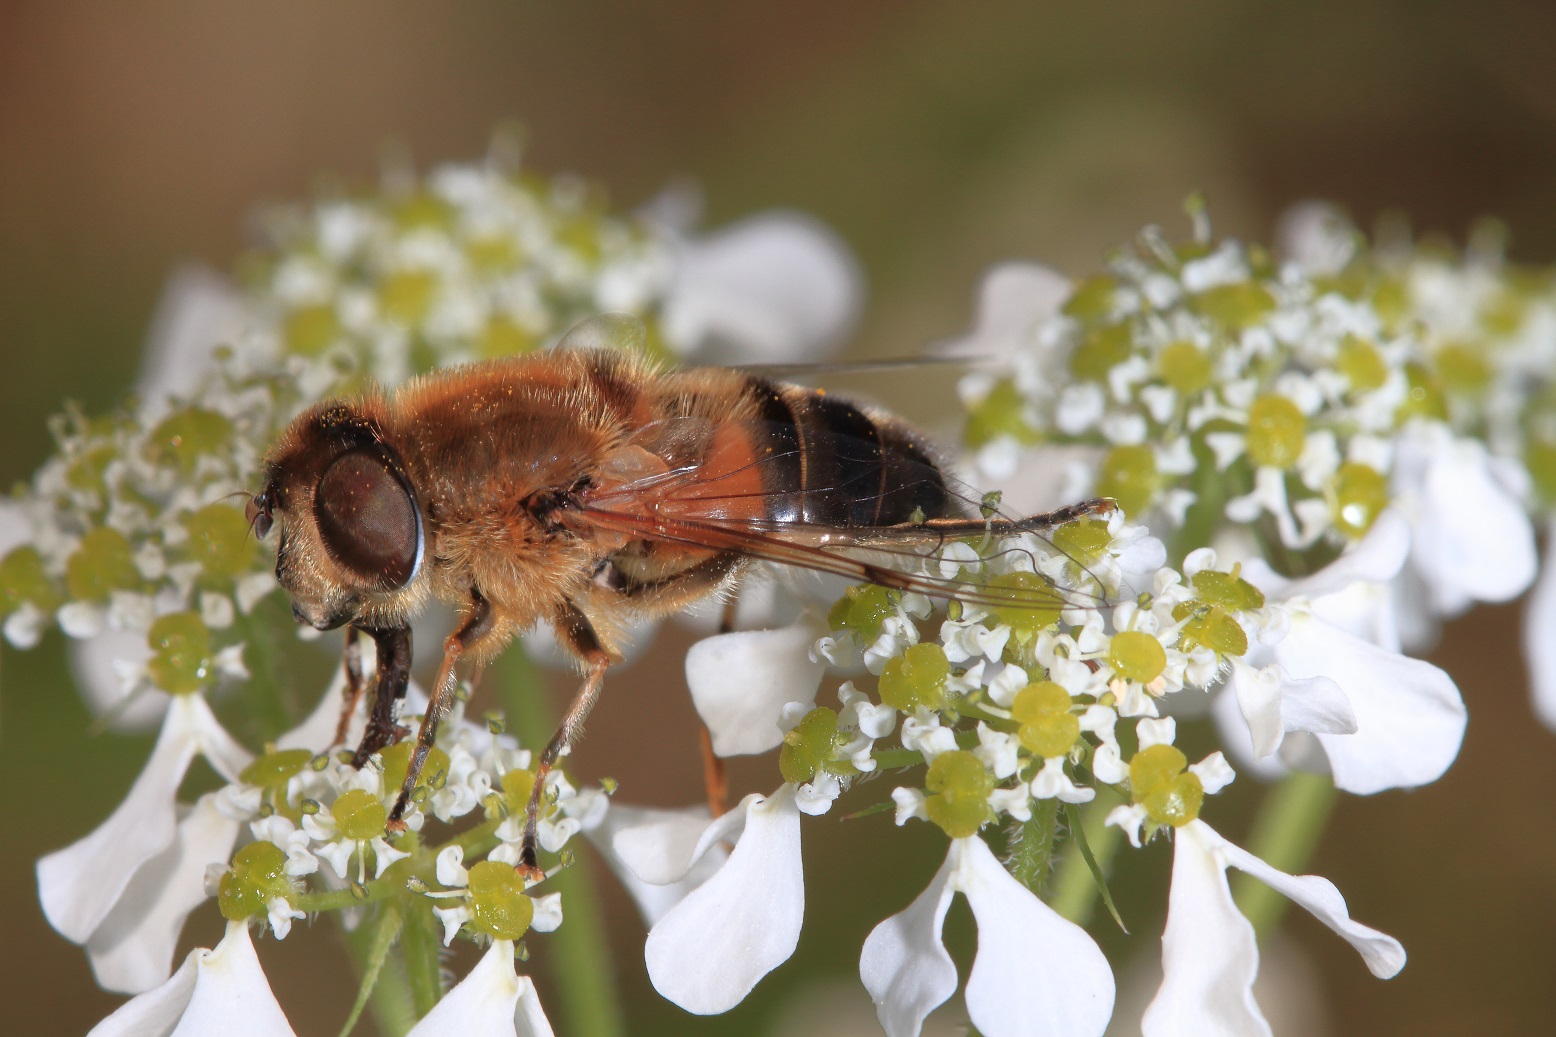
point(773, 287)
point(1156, 732)
point(80, 884)
point(1409, 716)
point(1232, 726)
point(1540, 636)
point(710, 949)
point(529, 1019)
point(198, 311)
point(156, 1012)
point(1375, 558)
point(480, 1005)
point(231, 995)
point(317, 731)
point(1317, 237)
point(1471, 536)
point(1209, 954)
point(905, 966)
point(93, 663)
point(741, 681)
point(1214, 773)
point(660, 846)
point(220, 749)
point(1382, 953)
point(548, 913)
point(1013, 299)
point(1035, 972)
point(132, 950)
point(1258, 693)
point(653, 900)
point(451, 870)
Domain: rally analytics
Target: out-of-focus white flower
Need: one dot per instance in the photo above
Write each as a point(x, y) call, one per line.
point(222, 990)
point(707, 952)
point(1317, 237)
point(1035, 973)
point(1540, 635)
point(1209, 955)
point(1471, 539)
point(84, 886)
point(775, 287)
point(492, 1001)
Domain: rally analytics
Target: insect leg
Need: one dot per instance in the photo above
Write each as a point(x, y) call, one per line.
point(1048, 520)
point(476, 625)
point(351, 662)
point(393, 647)
point(574, 631)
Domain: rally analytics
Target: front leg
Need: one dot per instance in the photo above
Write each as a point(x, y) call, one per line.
point(393, 649)
point(575, 632)
point(476, 625)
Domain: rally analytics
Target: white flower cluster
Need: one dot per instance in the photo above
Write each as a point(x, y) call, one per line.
point(1218, 391)
point(309, 827)
point(1028, 698)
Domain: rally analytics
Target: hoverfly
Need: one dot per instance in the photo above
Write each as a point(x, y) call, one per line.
point(582, 488)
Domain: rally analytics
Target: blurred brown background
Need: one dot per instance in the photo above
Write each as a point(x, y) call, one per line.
point(937, 138)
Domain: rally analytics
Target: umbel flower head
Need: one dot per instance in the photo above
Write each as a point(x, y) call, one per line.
point(1276, 405)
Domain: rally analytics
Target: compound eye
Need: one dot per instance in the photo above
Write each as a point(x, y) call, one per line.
point(367, 519)
point(258, 515)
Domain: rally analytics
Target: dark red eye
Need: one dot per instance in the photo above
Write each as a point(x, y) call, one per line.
point(367, 518)
point(258, 515)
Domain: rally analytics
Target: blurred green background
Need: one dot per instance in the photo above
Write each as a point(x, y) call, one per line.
point(937, 138)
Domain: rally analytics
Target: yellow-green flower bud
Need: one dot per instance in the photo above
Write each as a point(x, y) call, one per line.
point(958, 787)
point(1160, 782)
point(1048, 728)
point(862, 609)
point(810, 745)
point(1136, 656)
point(1361, 492)
point(24, 581)
point(219, 540)
point(916, 678)
point(101, 563)
point(1025, 602)
point(1277, 432)
point(256, 877)
point(1185, 367)
point(498, 905)
point(185, 436)
point(274, 769)
point(359, 815)
point(180, 653)
point(1129, 475)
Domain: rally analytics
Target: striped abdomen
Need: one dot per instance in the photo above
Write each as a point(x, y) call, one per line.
point(829, 462)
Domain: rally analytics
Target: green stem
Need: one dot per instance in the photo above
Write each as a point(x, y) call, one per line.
point(1030, 853)
point(1285, 834)
point(420, 941)
point(578, 953)
point(391, 1001)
